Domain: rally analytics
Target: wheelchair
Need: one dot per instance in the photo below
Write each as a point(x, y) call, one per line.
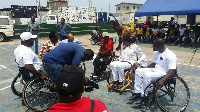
point(172, 97)
point(127, 82)
point(35, 92)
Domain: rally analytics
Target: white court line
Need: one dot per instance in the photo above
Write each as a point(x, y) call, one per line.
point(192, 65)
point(185, 64)
point(199, 66)
point(2, 66)
point(150, 59)
point(8, 86)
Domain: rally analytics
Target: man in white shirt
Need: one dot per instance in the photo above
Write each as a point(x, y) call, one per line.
point(129, 54)
point(164, 65)
point(25, 57)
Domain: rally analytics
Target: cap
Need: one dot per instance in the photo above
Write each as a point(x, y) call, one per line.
point(70, 81)
point(26, 36)
point(105, 34)
point(129, 38)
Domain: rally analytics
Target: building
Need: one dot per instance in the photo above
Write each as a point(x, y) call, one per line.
point(127, 7)
point(126, 12)
point(54, 4)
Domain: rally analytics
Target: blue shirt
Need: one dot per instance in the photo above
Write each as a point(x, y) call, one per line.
point(63, 28)
point(66, 53)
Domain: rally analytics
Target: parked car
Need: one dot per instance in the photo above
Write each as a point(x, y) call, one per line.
point(6, 28)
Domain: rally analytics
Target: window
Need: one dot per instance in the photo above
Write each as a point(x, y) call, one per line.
point(124, 6)
point(127, 7)
point(138, 7)
point(133, 7)
point(118, 8)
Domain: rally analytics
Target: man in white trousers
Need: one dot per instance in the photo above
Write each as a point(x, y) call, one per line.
point(131, 54)
point(164, 65)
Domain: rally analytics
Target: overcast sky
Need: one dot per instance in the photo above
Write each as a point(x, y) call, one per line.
point(101, 5)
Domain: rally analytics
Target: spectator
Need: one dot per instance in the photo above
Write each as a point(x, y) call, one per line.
point(105, 50)
point(64, 54)
point(164, 65)
point(50, 44)
point(62, 26)
point(26, 58)
point(121, 32)
point(140, 33)
point(70, 38)
point(130, 54)
point(70, 86)
point(171, 25)
point(34, 28)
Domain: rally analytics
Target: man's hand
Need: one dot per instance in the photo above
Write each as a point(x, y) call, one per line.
point(43, 76)
point(118, 48)
point(160, 83)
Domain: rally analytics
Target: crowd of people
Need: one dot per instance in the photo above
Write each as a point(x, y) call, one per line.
point(61, 60)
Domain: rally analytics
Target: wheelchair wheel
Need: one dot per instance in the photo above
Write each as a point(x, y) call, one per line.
point(38, 94)
point(174, 95)
point(17, 85)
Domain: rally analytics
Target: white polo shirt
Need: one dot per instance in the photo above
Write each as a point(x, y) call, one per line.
point(164, 61)
point(24, 55)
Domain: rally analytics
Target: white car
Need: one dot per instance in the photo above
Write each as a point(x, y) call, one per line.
point(6, 28)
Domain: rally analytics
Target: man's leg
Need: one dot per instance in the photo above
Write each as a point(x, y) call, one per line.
point(36, 44)
point(52, 70)
point(121, 66)
point(114, 70)
point(97, 63)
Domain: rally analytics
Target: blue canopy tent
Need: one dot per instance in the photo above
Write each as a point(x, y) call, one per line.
point(168, 7)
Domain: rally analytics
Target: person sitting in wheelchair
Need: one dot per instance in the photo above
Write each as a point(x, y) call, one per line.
point(164, 65)
point(128, 55)
point(102, 57)
point(96, 36)
point(26, 59)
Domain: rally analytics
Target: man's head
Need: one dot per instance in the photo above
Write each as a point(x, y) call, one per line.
point(159, 45)
point(88, 55)
point(32, 19)
point(53, 36)
point(70, 37)
point(70, 82)
point(105, 37)
point(128, 39)
point(27, 39)
point(62, 20)
point(172, 18)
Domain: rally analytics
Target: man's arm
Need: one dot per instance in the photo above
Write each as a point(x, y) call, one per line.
point(167, 76)
point(31, 69)
point(57, 27)
point(152, 65)
point(106, 53)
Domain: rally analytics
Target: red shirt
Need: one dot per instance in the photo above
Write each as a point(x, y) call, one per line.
point(83, 104)
point(108, 45)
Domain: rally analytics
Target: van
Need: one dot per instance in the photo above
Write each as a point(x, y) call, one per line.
point(49, 19)
point(6, 28)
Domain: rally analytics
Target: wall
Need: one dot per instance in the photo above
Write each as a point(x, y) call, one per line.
point(77, 29)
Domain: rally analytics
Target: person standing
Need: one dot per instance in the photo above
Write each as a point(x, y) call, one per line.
point(62, 26)
point(64, 54)
point(34, 28)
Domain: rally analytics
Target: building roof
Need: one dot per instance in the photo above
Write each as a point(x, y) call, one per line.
point(128, 3)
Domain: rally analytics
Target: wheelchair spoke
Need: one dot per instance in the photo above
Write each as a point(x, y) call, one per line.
point(173, 96)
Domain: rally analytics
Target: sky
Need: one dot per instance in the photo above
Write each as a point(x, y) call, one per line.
point(101, 5)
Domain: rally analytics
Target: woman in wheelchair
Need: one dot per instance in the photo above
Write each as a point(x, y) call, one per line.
point(164, 65)
point(128, 57)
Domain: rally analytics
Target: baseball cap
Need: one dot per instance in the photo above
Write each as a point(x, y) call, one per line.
point(26, 36)
point(70, 81)
point(105, 34)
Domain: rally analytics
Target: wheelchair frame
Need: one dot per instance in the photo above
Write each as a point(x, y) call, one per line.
point(127, 82)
